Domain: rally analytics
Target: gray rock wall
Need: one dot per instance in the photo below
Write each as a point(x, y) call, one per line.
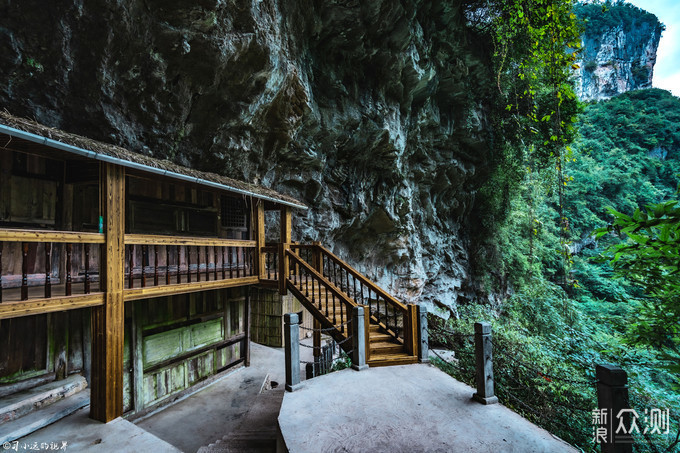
point(372, 112)
point(617, 58)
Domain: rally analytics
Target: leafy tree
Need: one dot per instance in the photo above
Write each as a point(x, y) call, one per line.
point(651, 259)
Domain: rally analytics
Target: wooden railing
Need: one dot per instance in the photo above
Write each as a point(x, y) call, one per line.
point(270, 255)
point(392, 315)
point(61, 262)
point(166, 260)
point(326, 299)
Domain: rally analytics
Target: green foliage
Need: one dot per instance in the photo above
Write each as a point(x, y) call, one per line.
point(650, 258)
point(600, 17)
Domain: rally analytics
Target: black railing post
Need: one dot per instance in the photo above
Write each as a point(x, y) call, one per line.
point(614, 416)
point(485, 394)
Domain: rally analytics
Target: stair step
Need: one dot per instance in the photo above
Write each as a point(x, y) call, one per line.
point(377, 337)
point(391, 359)
point(19, 404)
point(47, 415)
point(385, 347)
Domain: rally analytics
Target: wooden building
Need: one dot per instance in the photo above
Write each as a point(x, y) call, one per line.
point(137, 273)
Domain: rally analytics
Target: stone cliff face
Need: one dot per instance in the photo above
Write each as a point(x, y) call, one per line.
point(373, 113)
point(619, 51)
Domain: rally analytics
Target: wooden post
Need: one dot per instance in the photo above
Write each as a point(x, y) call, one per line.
point(286, 225)
point(106, 400)
point(284, 268)
point(258, 221)
point(614, 417)
point(411, 328)
point(483, 356)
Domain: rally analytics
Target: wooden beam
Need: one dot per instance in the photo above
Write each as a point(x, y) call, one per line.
point(106, 400)
point(9, 235)
point(184, 288)
point(258, 221)
point(286, 225)
point(39, 306)
point(151, 239)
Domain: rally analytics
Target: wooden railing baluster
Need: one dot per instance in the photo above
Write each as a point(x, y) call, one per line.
point(188, 252)
point(178, 249)
point(24, 271)
point(224, 269)
point(342, 327)
point(231, 268)
point(167, 264)
point(306, 283)
point(155, 265)
point(215, 257)
point(326, 303)
point(198, 263)
point(131, 275)
point(313, 297)
point(69, 253)
point(145, 260)
point(238, 264)
point(334, 318)
point(48, 269)
point(347, 287)
point(87, 269)
point(268, 257)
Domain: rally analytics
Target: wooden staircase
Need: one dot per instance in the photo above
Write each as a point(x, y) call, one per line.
point(330, 290)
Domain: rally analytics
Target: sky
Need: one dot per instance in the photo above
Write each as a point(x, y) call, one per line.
point(667, 68)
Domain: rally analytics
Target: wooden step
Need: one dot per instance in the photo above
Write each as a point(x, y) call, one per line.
point(377, 337)
point(385, 347)
point(392, 359)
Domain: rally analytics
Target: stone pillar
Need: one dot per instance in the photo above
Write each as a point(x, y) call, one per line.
point(423, 341)
point(292, 351)
point(358, 339)
point(483, 357)
point(612, 398)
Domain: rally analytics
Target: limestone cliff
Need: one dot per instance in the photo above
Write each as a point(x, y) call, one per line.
point(619, 50)
point(372, 112)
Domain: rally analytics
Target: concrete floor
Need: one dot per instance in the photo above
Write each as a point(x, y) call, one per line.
point(408, 408)
point(81, 434)
point(188, 424)
point(218, 409)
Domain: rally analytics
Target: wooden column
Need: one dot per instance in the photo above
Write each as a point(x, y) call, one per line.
point(258, 221)
point(286, 225)
point(106, 400)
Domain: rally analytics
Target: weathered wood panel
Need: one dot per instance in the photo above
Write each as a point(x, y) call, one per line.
point(185, 339)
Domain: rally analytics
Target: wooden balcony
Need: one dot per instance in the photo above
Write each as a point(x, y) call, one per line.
point(61, 270)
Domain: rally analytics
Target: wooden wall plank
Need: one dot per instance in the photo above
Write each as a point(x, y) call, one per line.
point(36, 306)
point(185, 288)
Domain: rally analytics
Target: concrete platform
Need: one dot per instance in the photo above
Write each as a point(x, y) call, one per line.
point(79, 433)
point(404, 408)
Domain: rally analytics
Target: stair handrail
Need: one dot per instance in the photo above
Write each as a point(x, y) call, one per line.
point(359, 276)
point(408, 312)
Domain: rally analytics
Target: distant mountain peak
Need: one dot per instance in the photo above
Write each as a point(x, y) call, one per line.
point(619, 49)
